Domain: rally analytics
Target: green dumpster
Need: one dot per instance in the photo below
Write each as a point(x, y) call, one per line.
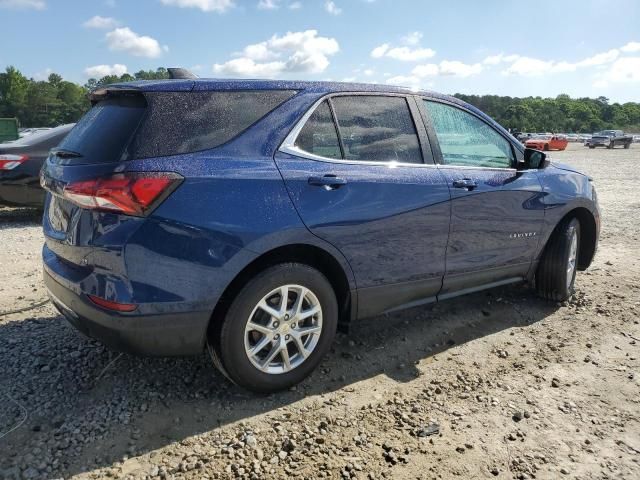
point(8, 129)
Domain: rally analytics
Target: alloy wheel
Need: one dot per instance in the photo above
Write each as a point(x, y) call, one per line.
point(283, 329)
point(571, 261)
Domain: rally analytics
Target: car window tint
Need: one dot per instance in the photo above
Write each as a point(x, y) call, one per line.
point(319, 136)
point(183, 122)
point(104, 131)
point(377, 128)
point(466, 140)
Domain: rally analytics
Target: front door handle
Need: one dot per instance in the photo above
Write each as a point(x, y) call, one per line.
point(330, 182)
point(465, 183)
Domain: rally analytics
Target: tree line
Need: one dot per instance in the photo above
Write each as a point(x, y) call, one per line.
point(54, 101)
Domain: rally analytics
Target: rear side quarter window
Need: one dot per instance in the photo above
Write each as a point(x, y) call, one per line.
point(184, 122)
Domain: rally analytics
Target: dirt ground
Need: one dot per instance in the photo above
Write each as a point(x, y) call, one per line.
point(497, 384)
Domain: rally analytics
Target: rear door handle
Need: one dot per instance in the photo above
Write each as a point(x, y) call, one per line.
point(330, 182)
point(465, 183)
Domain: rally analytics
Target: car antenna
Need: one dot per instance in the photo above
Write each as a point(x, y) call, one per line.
point(180, 73)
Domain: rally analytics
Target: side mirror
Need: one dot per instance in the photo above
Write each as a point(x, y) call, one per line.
point(533, 159)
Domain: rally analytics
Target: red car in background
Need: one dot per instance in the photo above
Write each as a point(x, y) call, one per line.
point(547, 142)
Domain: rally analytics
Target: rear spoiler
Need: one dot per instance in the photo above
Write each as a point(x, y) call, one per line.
point(101, 93)
point(175, 73)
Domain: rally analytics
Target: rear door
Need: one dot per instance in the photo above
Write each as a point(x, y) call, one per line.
point(361, 175)
point(496, 210)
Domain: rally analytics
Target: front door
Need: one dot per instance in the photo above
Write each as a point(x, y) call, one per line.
point(496, 211)
point(362, 178)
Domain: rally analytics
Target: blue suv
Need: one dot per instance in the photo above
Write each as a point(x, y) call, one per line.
point(254, 217)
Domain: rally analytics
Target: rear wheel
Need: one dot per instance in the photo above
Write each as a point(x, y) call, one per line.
point(627, 145)
point(546, 147)
point(556, 272)
point(278, 328)
point(611, 145)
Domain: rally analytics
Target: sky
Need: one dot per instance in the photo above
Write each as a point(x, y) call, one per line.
point(540, 48)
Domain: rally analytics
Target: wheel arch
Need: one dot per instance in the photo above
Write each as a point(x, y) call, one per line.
point(588, 235)
point(307, 254)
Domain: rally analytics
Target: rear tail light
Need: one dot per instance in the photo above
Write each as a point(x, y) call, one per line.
point(126, 193)
point(9, 162)
point(109, 305)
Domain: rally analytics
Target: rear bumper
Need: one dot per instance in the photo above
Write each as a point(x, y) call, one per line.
point(167, 334)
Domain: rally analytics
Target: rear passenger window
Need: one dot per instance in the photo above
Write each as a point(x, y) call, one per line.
point(465, 140)
point(183, 122)
point(377, 128)
point(319, 136)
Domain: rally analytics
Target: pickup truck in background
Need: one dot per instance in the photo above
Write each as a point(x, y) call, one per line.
point(609, 139)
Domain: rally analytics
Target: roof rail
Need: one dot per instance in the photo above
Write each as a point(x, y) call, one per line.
point(180, 73)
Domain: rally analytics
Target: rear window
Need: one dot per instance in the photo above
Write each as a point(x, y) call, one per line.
point(183, 122)
point(101, 135)
point(166, 123)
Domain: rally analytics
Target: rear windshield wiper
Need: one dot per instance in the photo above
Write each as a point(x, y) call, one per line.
point(62, 153)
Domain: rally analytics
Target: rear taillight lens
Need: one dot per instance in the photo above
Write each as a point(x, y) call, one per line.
point(126, 193)
point(9, 162)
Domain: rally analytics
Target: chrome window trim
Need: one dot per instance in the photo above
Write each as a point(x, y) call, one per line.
point(288, 145)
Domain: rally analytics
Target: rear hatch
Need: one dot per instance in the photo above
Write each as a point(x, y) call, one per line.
point(93, 204)
point(94, 148)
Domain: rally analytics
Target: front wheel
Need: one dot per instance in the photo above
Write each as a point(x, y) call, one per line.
point(277, 329)
point(556, 272)
point(627, 145)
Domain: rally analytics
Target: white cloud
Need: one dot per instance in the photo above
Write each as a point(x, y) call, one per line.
point(600, 58)
point(623, 70)
point(413, 82)
point(101, 22)
point(405, 54)
point(412, 38)
point(246, 67)
point(292, 52)
point(124, 39)
point(23, 4)
point(295, 5)
point(410, 53)
point(268, 4)
point(368, 72)
point(459, 69)
point(99, 71)
point(426, 70)
point(332, 8)
point(500, 58)
point(529, 67)
point(204, 5)
point(631, 47)
point(380, 51)
point(453, 68)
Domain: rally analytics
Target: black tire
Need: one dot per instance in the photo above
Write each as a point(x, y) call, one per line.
point(627, 145)
point(611, 145)
point(228, 347)
point(552, 277)
point(592, 146)
point(546, 147)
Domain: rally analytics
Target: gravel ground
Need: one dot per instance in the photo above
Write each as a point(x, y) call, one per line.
point(496, 384)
